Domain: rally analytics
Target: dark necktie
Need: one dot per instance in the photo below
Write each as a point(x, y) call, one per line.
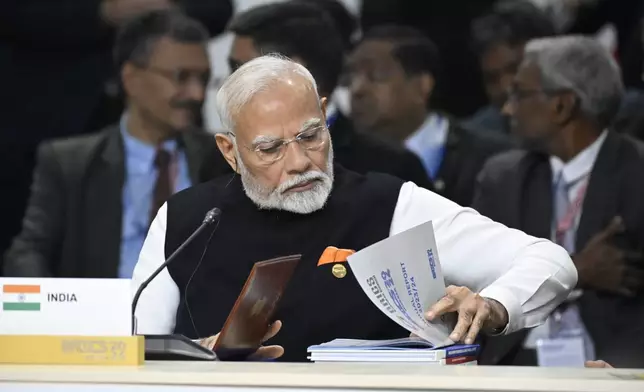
point(162, 188)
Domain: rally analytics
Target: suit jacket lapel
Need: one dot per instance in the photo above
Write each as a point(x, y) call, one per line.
point(450, 163)
point(598, 203)
point(104, 204)
point(535, 206)
point(195, 157)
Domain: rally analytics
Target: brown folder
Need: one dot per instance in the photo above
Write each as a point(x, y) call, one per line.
point(248, 321)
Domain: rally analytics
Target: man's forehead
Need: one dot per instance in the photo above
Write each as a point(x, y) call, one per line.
point(501, 55)
point(292, 91)
point(179, 54)
point(372, 51)
point(280, 111)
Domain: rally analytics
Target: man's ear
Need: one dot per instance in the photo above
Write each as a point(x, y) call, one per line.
point(227, 148)
point(564, 107)
point(323, 103)
point(426, 86)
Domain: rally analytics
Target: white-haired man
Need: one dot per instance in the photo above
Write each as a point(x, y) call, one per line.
point(289, 198)
point(579, 183)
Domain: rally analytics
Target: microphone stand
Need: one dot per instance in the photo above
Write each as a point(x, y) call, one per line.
point(173, 347)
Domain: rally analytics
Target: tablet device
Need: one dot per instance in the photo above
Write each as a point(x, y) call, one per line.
point(248, 321)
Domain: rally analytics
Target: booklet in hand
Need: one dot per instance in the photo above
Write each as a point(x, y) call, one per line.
point(248, 321)
point(402, 276)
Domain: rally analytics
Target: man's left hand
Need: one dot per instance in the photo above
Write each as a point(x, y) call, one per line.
point(264, 352)
point(475, 313)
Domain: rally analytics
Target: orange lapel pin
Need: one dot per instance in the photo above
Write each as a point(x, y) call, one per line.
point(334, 255)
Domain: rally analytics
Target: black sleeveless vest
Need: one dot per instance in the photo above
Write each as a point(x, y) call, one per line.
point(316, 306)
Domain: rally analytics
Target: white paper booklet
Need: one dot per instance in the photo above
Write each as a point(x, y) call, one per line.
point(402, 276)
point(395, 350)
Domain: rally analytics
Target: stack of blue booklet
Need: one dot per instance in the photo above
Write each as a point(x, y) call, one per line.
point(395, 350)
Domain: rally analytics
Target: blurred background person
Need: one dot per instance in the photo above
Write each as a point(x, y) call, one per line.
point(498, 39)
point(394, 73)
point(624, 16)
point(58, 78)
point(447, 23)
point(309, 36)
point(93, 196)
point(350, 31)
point(345, 13)
point(578, 182)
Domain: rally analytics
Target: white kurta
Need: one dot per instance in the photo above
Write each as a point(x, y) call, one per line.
point(527, 275)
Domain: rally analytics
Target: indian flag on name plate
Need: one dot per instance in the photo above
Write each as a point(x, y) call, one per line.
point(21, 297)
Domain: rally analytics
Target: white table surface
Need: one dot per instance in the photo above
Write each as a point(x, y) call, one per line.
point(327, 376)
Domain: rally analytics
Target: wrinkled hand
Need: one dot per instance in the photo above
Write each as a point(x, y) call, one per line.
point(475, 313)
point(598, 364)
point(268, 352)
point(116, 11)
point(602, 266)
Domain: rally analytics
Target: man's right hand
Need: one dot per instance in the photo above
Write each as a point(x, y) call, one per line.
point(603, 266)
point(115, 12)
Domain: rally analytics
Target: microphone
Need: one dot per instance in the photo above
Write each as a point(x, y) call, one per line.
point(210, 217)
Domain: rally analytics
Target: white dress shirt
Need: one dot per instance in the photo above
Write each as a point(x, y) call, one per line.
point(431, 134)
point(527, 275)
point(428, 143)
point(576, 169)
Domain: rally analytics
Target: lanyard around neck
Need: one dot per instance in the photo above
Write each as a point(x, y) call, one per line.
point(566, 222)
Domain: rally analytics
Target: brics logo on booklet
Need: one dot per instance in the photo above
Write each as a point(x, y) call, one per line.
point(337, 257)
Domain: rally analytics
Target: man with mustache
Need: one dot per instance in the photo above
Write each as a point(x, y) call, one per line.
point(577, 181)
point(288, 197)
point(93, 196)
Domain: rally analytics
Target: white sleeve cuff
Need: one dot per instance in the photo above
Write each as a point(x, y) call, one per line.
point(505, 297)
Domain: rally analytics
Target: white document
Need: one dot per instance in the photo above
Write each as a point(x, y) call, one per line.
point(563, 352)
point(402, 276)
point(58, 306)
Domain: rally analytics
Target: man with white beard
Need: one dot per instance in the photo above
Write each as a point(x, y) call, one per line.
point(288, 198)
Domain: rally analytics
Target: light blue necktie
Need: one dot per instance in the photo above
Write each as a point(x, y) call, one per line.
point(567, 323)
point(562, 205)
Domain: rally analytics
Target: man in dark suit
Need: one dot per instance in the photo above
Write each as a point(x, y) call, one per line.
point(577, 182)
point(308, 35)
point(57, 79)
point(394, 75)
point(93, 196)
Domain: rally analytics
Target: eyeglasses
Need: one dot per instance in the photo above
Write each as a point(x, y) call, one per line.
point(271, 151)
point(182, 77)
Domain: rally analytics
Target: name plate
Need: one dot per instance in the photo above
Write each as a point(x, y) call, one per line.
point(72, 350)
point(58, 306)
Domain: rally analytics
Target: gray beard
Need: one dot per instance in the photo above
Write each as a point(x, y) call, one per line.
point(304, 202)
